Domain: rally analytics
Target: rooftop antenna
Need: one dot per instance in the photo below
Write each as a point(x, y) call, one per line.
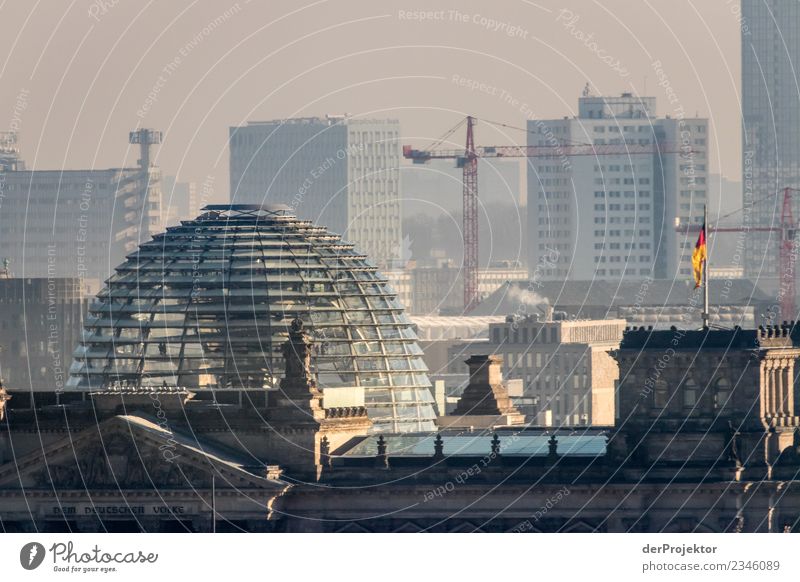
point(145, 138)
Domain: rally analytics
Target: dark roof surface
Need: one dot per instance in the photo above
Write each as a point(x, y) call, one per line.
point(523, 296)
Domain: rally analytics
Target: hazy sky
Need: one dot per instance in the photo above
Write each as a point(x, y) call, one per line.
point(76, 76)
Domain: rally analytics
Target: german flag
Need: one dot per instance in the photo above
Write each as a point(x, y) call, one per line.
point(699, 257)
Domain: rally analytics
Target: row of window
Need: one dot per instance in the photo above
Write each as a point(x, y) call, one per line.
point(612, 207)
point(619, 259)
point(690, 394)
point(628, 181)
point(610, 233)
point(618, 194)
point(615, 245)
point(629, 272)
point(621, 220)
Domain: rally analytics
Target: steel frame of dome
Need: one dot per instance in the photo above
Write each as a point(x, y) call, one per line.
point(206, 306)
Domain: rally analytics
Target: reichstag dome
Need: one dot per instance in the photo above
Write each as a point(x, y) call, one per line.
point(205, 306)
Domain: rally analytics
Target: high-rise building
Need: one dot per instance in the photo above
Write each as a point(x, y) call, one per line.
point(613, 216)
point(75, 223)
point(339, 172)
point(770, 35)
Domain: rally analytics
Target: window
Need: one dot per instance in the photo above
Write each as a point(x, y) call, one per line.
point(722, 393)
point(660, 395)
point(690, 393)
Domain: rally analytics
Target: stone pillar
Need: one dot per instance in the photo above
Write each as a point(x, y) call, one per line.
point(485, 393)
point(297, 419)
point(786, 391)
point(778, 404)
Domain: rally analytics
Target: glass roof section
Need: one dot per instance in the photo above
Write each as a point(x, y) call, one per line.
point(206, 306)
point(481, 444)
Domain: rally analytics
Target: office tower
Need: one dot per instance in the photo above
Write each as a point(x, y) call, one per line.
point(76, 223)
point(620, 211)
point(770, 35)
point(339, 172)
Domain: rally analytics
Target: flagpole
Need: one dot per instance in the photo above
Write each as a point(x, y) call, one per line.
point(705, 269)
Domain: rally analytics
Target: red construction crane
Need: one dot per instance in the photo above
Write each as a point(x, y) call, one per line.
point(467, 159)
point(787, 281)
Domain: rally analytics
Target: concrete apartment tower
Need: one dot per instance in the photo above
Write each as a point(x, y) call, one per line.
point(610, 217)
point(770, 32)
point(339, 172)
point(77, 223)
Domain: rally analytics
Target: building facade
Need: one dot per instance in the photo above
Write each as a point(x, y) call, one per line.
point(611, 217)
point(77, 223)
point(440, 290)
point(718, 450)
point(565, 365)
point(770, 36)
point(40, 322)
point(182, 200)
point(339, 172)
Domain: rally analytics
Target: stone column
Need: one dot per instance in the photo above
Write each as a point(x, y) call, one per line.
point(777, 406)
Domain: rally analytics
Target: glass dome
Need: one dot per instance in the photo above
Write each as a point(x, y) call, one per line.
point(206, 306)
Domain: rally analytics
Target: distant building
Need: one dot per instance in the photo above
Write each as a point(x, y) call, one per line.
point(440, 290)
point(40, 322)
point(564, 364)
point(770, 37)
point(402, 282)
point(436, 187)
point(9, 152)
point(182, 200)
point(438, 334)
point(76, 223)
point(341, 173)
point(652, 302)
point(614, 216)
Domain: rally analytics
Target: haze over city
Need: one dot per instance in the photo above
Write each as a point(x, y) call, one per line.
point(378, 267)
point(89, 67)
